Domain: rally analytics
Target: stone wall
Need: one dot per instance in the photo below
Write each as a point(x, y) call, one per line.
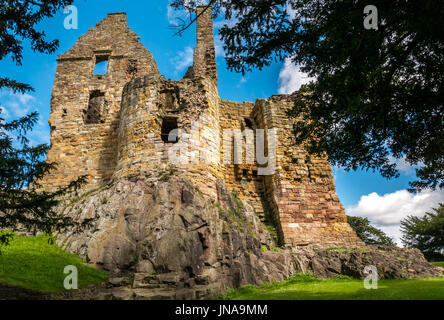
point(300, 197)
point(242, 178)
point(146, 102)
point(301, 193)
point(79, 146)
point(204, 54)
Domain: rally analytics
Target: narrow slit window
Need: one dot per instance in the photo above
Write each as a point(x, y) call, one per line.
point(169, 130)
point(101, 67)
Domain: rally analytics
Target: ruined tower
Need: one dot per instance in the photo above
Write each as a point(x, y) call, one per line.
point(85, 106)
point(131, 122)
point(205, 53)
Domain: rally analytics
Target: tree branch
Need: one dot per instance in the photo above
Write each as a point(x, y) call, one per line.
point(184, 28)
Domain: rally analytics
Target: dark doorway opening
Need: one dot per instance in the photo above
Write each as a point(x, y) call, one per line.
point(96, 108)
point(168, 135)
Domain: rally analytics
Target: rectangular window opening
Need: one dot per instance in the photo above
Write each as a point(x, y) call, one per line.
point(96, 108)
point(101, 67)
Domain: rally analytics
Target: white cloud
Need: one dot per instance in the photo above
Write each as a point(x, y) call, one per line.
point(219, 23)
point(242, 81)
point(402, 165)
point(40, 134)
point(388, 210)
point(175, 16)
point(25, 98)
point(183, 59)
point(291, 11)
point(291, 78)
point(219, 46)
point(15, 105)
point(4, 113)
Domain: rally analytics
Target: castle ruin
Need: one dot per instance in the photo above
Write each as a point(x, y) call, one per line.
point(117, 124)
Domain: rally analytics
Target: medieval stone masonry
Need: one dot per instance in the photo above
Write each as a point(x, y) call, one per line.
point(117, 125)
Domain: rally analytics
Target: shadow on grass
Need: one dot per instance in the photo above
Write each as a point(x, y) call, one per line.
point(334, 289)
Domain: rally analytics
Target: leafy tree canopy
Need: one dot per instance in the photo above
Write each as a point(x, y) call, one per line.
point(368, 233)
point(18, 19)
point(378, 93)
point(425, 233)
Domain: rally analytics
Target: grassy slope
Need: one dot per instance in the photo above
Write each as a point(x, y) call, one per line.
point(304, 287)
point(439, 264)
point(34, 263)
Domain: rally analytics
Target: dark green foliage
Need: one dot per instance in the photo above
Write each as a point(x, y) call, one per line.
point(22, 204)
point(368, 233)
point(5, 239)
point(18, 19)
point(378, 92)
point(425, 233)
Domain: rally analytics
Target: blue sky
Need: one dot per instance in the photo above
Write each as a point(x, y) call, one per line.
point(385, 202)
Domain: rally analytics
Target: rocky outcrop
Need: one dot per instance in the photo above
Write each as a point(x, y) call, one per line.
point(391, 262)
point(155, 237)
point(162, 239)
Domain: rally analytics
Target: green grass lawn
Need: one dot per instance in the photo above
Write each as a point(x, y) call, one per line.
point(35, 263)
point(306, 287)
point(439, 264)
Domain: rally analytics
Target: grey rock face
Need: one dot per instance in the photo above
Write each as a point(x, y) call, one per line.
point(164, 240)
point(391, 262)
point(167, 235)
